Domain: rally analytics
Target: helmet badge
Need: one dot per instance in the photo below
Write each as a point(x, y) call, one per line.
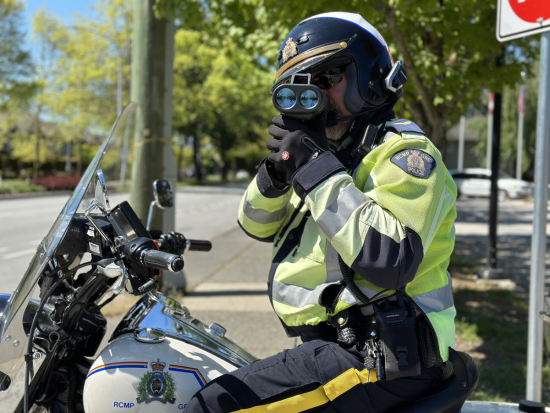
point(290, 50)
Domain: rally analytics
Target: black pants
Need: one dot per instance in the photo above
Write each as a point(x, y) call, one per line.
point(318, 376)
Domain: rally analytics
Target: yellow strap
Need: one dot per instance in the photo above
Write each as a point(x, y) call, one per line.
point(315, 398)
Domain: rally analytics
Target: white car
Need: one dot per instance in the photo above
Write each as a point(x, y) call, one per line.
point(477, 182)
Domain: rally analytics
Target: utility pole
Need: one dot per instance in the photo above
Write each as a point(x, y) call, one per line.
point(152, 62)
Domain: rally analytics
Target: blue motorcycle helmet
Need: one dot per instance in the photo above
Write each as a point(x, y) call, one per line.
point(344, 39)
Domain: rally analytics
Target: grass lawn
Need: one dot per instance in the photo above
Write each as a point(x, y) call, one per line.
point(491, 326)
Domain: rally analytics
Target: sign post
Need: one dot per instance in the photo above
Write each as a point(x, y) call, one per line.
point(490, 114)
point(538, 241)
point(519, 18)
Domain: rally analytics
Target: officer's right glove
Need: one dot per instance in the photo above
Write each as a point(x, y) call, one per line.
point(295, 143)
point(277, 171)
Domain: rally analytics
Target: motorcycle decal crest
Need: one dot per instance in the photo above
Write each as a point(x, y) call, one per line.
point(156, 385)
point(290, 50)
point(415, 162)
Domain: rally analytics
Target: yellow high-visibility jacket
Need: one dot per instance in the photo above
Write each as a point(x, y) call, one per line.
point(391, 221)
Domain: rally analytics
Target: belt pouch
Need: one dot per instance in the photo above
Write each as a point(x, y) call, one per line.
point(397, 334)
point(400, 351)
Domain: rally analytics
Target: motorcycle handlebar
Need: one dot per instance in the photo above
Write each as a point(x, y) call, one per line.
point(198, 245)
point(161, 260)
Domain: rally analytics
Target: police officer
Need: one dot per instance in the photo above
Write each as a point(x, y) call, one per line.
point(362, 234)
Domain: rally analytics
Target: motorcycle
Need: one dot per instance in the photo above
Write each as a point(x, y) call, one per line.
point(159, 355)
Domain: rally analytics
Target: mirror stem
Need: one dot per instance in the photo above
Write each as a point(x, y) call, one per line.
point(150, 215)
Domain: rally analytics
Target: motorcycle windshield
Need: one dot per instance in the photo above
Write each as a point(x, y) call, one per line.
point(112, 158)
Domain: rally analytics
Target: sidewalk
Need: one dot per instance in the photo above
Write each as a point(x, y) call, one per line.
point(513, 238)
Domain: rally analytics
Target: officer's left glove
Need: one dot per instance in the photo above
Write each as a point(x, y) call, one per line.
point(295, 143)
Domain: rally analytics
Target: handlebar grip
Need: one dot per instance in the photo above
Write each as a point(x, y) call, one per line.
point(161, 260)
point(198, 245)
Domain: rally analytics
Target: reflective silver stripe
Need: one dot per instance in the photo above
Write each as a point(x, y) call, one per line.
point(348, 297)
point(431, 233)
point(338, 213)
point(299, 297)
point(296, 296)
point(437, 300)
point(261, 216)
point(387, 136)
point(331, 265)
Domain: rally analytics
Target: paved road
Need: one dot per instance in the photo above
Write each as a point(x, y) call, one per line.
point(202, 212)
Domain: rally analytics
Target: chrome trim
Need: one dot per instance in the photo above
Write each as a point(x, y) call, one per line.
point(93, 205)
point(157, 311)
point(111, 271)
point(216, 330)
point(119, 285)
point(150, 215)
point(149, 335)
point(101, 193)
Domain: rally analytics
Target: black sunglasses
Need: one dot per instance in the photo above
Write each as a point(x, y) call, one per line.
point(329, 77)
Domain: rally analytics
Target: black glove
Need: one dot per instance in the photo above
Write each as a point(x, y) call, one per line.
point(277, 171)
point(295, 143)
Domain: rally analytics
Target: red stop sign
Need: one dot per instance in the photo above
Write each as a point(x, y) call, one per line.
point(531, 10)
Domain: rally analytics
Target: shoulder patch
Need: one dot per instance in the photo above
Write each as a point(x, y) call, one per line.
point(415, 162)
point(404, 125)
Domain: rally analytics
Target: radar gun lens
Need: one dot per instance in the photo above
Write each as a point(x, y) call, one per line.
point(309, 99)
point(286, 98)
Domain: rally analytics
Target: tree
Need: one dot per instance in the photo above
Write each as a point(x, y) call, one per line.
point(219, 93)
point(16, 67)
point(88, 80)
point(448, 46)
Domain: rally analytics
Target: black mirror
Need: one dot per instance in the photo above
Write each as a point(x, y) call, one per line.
point(164, 197)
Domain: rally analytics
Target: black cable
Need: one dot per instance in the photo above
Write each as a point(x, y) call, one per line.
point(107, 301)
point(350, 283)
point(28, 356)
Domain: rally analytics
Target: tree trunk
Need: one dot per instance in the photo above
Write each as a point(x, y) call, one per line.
point(234, 167)
point(36, 159)
point(223, 168)
point(79, 159)
point(180, 159)
point(197, 155)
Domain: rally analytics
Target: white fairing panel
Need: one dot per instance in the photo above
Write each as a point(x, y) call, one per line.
point(137, 377)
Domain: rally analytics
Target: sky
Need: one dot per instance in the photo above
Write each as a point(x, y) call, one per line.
point(62, 8)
